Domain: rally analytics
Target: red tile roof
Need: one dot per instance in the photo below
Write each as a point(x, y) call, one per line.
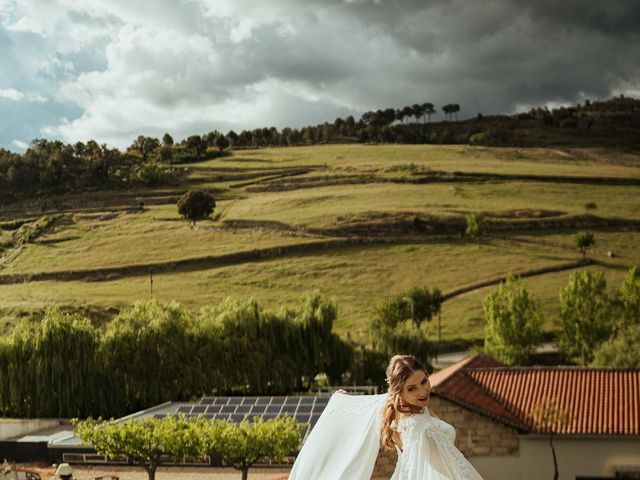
point(584, 400)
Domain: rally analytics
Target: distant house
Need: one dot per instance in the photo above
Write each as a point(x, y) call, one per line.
point(493, 408)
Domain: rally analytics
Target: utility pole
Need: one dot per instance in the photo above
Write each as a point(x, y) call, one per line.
point(151, 282)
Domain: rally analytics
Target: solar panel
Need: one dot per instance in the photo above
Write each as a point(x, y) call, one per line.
point(304, 409)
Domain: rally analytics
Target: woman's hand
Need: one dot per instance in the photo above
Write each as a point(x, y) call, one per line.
point(343, 391)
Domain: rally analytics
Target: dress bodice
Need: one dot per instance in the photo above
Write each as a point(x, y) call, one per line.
point(417, 461)
point(411, 427)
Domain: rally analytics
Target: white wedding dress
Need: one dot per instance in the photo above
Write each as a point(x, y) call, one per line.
point(344, 445)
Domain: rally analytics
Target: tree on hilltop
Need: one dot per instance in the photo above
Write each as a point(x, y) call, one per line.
point(428, 110)
point(196, 205)
point(145, 145)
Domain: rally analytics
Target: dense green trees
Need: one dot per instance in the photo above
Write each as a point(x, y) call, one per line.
point(395, 324)
point(513, 323)
point(155, 352)
point(585, 315)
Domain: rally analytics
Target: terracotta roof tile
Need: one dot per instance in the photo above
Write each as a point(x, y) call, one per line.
point(585, 400)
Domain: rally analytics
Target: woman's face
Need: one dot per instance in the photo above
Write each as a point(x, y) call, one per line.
point(415, 390)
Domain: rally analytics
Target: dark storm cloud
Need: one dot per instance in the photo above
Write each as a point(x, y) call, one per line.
point(219, 64)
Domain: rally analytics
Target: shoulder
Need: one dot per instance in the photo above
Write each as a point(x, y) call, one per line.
point(412, 421)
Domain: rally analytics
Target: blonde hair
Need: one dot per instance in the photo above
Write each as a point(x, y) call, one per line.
point(399, 370)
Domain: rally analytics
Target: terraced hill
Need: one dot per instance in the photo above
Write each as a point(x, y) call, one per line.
point(359, 222)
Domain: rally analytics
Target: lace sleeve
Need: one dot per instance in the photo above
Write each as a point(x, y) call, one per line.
point(431, 452)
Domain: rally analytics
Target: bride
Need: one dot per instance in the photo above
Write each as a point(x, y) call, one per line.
point(345, 442)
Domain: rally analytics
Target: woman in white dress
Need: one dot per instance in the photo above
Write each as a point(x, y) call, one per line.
point(345, 442)
point(424, 442)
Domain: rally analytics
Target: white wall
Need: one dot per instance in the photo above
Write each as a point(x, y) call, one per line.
point(14, 428)
point(577, 455)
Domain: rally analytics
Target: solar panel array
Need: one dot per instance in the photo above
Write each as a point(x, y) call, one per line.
point(304, 409)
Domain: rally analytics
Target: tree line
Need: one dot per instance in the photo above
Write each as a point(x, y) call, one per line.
point(597, 326)
point(63, 366)
point(54, 167)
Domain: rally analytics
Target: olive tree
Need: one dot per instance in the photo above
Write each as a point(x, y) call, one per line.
point(240, 445)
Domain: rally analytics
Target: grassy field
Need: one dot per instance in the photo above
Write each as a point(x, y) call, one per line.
point(105, 230)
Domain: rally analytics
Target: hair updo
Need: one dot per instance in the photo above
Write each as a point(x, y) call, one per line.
point(399, 370)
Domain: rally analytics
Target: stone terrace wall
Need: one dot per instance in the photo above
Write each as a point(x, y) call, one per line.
point(475, 433)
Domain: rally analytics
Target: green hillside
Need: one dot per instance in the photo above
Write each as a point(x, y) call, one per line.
point(358, 222)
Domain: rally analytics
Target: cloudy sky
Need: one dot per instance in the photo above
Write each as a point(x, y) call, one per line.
point(113, 69)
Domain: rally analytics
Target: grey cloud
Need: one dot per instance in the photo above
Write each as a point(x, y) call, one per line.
point(325, 58)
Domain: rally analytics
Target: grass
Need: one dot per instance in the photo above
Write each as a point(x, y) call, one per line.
point(96, 234)
point(357, 277)
point(320, 207)
point(534, 161)
point(120, 239)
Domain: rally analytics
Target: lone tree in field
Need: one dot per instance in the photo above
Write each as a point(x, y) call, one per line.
point(144, 441)
point(196, 205)
point(476, 225)
point(242, 444)
point(584, 241)
point(514, 322)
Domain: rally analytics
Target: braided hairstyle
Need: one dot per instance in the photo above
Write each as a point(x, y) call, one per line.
point(399, 370)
